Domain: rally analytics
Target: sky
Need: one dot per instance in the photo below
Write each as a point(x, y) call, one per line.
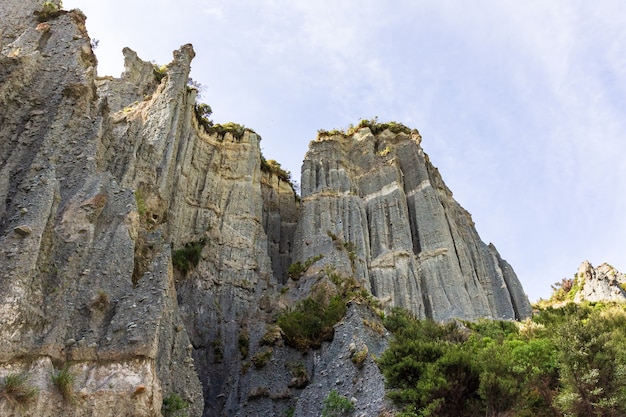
point(520, 104)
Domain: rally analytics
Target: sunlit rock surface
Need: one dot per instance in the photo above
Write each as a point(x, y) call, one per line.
point(104, 181)
point(399, 229)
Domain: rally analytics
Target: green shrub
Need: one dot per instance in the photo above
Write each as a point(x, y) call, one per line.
point(141, 205)
point(374, 126)
point(592, 368)
point(187, 257)
point(160, 72)
point(272, 336)
point(572, 363)
point(174, 406)
point(297, 269)
point(311, 321)
point(336, 405)
point(300, 376)
point(358, 358)
point(272, 167)
point(235, 129)
point(244, 343)
point(203, 111)
point(16, 391)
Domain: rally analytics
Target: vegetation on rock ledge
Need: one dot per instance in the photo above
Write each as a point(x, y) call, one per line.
point(64, 381)
point(187, 257)
point(16, 391)
point(373, 124)
point(297, 269)
point(49, 10)
point(174, 406)
point(272, 167)
point(311, 322)
point(336, 405)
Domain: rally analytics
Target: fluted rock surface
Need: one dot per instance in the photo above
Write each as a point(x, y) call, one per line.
point(374, 204)
point(72, 292)
point(106, 182)
point(603, 283)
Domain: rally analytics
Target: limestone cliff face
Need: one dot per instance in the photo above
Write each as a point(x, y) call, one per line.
point(403, 234)
point(72, 292)
point(104, 181)
point(603, 283)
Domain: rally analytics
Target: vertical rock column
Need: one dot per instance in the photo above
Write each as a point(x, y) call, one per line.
point(415, 246)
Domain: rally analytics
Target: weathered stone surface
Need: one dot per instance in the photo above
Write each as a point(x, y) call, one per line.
point(69, 294)
point(411, 243)
point(102, 179)
point(280, 219)
point(336, 366)
point(603, 283)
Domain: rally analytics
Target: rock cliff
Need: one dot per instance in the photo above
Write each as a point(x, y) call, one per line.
point(147, 253)
point(406, 239)
point(603, 283)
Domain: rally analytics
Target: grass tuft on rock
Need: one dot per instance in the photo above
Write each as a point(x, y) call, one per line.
point(16, 390)
point(63, 379)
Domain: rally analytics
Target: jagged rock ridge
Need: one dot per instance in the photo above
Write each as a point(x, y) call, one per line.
point(604, 283)
point(102, 179)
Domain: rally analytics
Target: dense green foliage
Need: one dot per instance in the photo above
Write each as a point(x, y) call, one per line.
point(565, 361)
point(565, 290)
point(203, 111)
point(174, 406)
point(188, 256)
point(336, 405)
point(311, 321)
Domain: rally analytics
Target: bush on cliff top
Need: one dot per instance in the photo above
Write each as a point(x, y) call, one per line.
point(373, 124)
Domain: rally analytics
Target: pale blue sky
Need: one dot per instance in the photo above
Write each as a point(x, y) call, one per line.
point(521, 105)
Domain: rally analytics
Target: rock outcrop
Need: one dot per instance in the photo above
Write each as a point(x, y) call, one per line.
point(603, 283)
point(146, 252)
point(399, 229)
